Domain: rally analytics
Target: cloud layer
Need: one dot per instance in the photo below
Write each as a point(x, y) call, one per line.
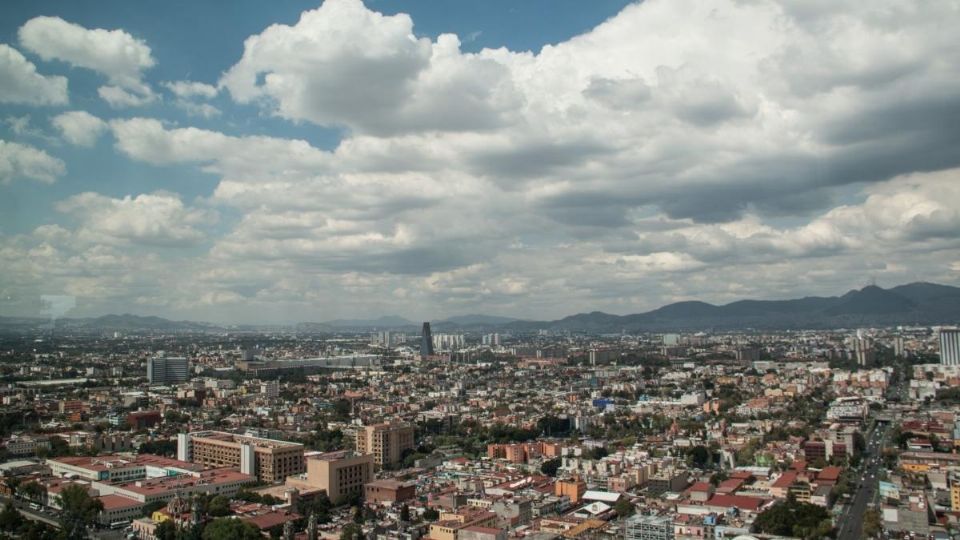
point(666, 154)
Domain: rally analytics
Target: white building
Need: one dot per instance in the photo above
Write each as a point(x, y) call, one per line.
point(949, 347)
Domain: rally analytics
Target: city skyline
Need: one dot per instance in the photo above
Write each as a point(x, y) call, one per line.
point(315, 161)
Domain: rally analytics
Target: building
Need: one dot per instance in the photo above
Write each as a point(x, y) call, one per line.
point(389, 491)
point(387, 442)
point(143, 419)
point(270, 389)
point(341, 474)
point(572, 489)
point(426, 341)
point(168, 370)
point(641, 527)
point(950, 347)
point(268, 459)
point(115, 468)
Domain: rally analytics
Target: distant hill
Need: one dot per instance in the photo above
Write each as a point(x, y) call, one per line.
point(914, 303)
point(387, 321)
point(469, 320)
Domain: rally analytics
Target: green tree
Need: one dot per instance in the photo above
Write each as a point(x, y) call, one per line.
point(431, 514)
point(624, 507)
point(80, 511)
point(219, 506)
point(10, 518)
point(405, 513)
point(871, 523)
point(230, 529)
point(353, 531)
point(699, 457)
point(550, 466)
point(166, 530)
point(32, 491)
point(792, 518)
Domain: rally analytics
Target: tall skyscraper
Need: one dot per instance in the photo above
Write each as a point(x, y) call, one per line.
point(168, 370)
point(426, 341)
point(950, 347)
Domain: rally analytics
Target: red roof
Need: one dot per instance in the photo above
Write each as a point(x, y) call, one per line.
point(736, 501)
point(729, 486)
point(114, 502)
point(786, 480)
point(828, 474)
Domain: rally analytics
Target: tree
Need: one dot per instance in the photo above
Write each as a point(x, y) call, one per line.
point(219, 506)
point(80, 511)
point(699, 457)
point(10, 518)
point(624, 507)
point(792, 518)
point(166, 530)
point(353, 531)
point(230, 529)
point(33, 491)
point(550, 466)
point(405, 513)
point(871, 523)
point(431, 515)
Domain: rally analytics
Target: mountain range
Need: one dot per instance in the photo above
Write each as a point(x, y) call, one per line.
point(914, 303)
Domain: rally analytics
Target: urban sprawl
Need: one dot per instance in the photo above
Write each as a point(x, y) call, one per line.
point(390, 435)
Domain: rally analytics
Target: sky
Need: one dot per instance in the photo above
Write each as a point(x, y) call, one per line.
point(304, 161)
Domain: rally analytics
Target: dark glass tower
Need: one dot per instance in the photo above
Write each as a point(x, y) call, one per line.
point(426, 341)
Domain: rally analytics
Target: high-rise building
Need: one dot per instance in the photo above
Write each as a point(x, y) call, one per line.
point(426, 341)
point(950, 347)
point(267, 459)
point(168, 370)
point(448, 342)
point(491, 339)
point(641, 527)
point(386, 442)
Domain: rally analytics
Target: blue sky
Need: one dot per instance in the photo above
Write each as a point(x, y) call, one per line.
point(429, 158)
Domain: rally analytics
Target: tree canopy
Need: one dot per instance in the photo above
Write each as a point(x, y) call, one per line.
point(80, 511)
point(792, 518)
point(230, 529)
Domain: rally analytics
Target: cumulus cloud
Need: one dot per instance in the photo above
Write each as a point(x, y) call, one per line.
point(343, 64)
point(664, 155)
point(189, 95)
point(79, 127)
point(153, 218)
point(25, 161)
point(20, 82)
point(116, 54)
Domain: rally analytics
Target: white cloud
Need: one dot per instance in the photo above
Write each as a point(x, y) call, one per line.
point(20, 82)
point(24, 161)
point(159, 219)
point(343, 64)
point(189, 93)
point(119, 98)
point(116, 54)
point(666, 154)
point(79, 127)
point(191, 89)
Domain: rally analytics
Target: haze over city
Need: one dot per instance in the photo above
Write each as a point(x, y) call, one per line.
point(305, 161)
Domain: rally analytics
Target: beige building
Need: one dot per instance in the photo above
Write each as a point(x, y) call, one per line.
point(267, 459)
point(386, 442)
point(340, 474)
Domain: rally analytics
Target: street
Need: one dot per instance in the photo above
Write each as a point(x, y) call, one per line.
point(850, 524)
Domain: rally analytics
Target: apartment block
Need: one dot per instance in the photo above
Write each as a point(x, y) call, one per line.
point(268, 459)
point(386, 442)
